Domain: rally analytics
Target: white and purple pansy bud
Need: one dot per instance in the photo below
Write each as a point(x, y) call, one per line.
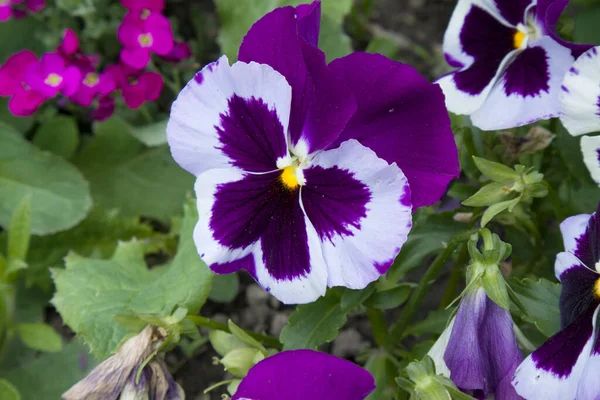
point(566, 366)
point(305, 374)
point(510, 62)
point(307, 173)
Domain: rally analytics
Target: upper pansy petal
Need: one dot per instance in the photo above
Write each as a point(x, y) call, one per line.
point(553, 371)
point(305, 374)
point(548, 14)
point(529, 88)
point(231, 116)
point(309, 22)
point(590, 147)
point(402, 118)
point(321, 103)
point(513, 11)
point(583, 240)
point(578, 293)
point(349, 196)
point(580, 95)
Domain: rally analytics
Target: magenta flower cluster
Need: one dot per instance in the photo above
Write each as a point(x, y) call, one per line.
point(69, 72)
point(19, 8)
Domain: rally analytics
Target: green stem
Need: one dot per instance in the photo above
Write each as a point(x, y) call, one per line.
point(144, 110)
point(455, 277)
point(211, 324)
point(379, 327)
point(426, 281)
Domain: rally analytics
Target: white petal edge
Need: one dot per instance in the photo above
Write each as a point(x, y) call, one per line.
point(501, 111)
point(590, 148)
point(572, 228)
point(589, 384)
point(196, 112)
point(438, 350)
point(565, 262)
point(579, 111)
point(351, 259)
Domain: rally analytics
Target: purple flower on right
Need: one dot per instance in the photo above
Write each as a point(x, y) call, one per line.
point(566, 366)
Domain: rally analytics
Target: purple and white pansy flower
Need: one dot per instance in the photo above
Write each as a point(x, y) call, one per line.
point(305, 374)
point(510, 62)
point(566, 366)
point(478, 350)
point(307, 173)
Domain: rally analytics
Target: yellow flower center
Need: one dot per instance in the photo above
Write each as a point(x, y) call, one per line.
point(53, 80)
point(289, 177)
point(145, 40)
point(91, 79)
point(518, 39)
point(597, 289)
point(145, 13)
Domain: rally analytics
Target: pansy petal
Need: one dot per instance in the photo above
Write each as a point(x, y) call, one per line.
point(553, 371)
point(580, 95)
point(513, 11)
point(256, 213)
point(589, 384)
point(231, 116)
point(303, 375)
point(529, 88)
point(349, 196)
point(402, 118)
point(590, 147)
point(586, 245)
point(577, 295)
point(439, 348)
point(548, 14)
point(309, 22)
point(572, 229)
point(321, 103)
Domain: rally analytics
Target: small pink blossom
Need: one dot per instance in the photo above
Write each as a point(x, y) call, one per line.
point(105, 108)
point(180, 51)
point(70, 51)
point(51, 76)
point(139, 5)
point(24, 101)
point(69, 45)
point(136, 86)
point(140, 37)
point(7, 11)
point(93, 84)
point(35, 5)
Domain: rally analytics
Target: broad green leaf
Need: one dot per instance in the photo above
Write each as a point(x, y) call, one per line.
point(224, 288)
point(18, 124)
point(40, 337)
point(569, 149)
point(313, 324)
point(540, 300)
point(48, 376)
point(90, 292)
point(59, 194)
point(127, 175)
point(495, 171)
point(19, 231)
point(354, 298)
point(383, 371)
point(8, 391)
point(59, 135)
point(151, 135)
point(435, 322)
point(390, 298)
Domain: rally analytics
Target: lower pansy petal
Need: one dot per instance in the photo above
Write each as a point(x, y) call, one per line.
point(553, 371)
point(231, 116)
point(350, 195)
point(303, 375)
point(590, 148)
point(589, 384)
point(529, 88)
point(580, 95)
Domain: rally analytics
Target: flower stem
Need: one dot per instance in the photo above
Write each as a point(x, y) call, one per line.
point(455, 277)
point(425, 284)
point(211, 324)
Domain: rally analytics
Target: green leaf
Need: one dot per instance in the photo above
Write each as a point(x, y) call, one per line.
point(435, 322)
point(540, 300)
point(58, 135)
point(495, 286)
point(19, 231)
point(22, 36)
point(225, 288)
point(51, 374)
point(495, 171)
point(314, 324)
point(40, 337)
point(488, 195)
point(8, 391)
point(391, 298)
point(90, 292)
point(151, 135)
point(354, 298)
point(586, 26)
point(127, 175)
point(224, 342)
point(244, 337)
point(382, 369)
point(18, 124)
point(59, 194)
point(496, 209)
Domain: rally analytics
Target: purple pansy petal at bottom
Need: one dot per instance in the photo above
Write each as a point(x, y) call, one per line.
point(580, 95)
point(363, 192)
point(590, 147)
point(403, 119)
point(529, 88)
point(242, 214)
point(482, 350)
point(303, 375)
point(554, 371)
point(213, 109)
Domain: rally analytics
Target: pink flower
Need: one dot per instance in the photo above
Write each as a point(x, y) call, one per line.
point(51, 76)
point(141, 36)
point(140, 5)
point(105, 109)
point(69, 45)
point(69, 50)
point(137, 86)
point(24, 101)
point(93, 84)
point(35, 5)
point(7, 11)
point(179, 52)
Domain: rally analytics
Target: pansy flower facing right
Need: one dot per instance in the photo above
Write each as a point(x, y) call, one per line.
point(566, 366)
point(510, 62)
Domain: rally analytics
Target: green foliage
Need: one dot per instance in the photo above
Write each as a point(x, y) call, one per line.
point(40, 337)
point(58, 193)
point(313, 324)
point(59, 135)
point(539, 299)
point(8, 391)
point(90, 293)
point(225, 288)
